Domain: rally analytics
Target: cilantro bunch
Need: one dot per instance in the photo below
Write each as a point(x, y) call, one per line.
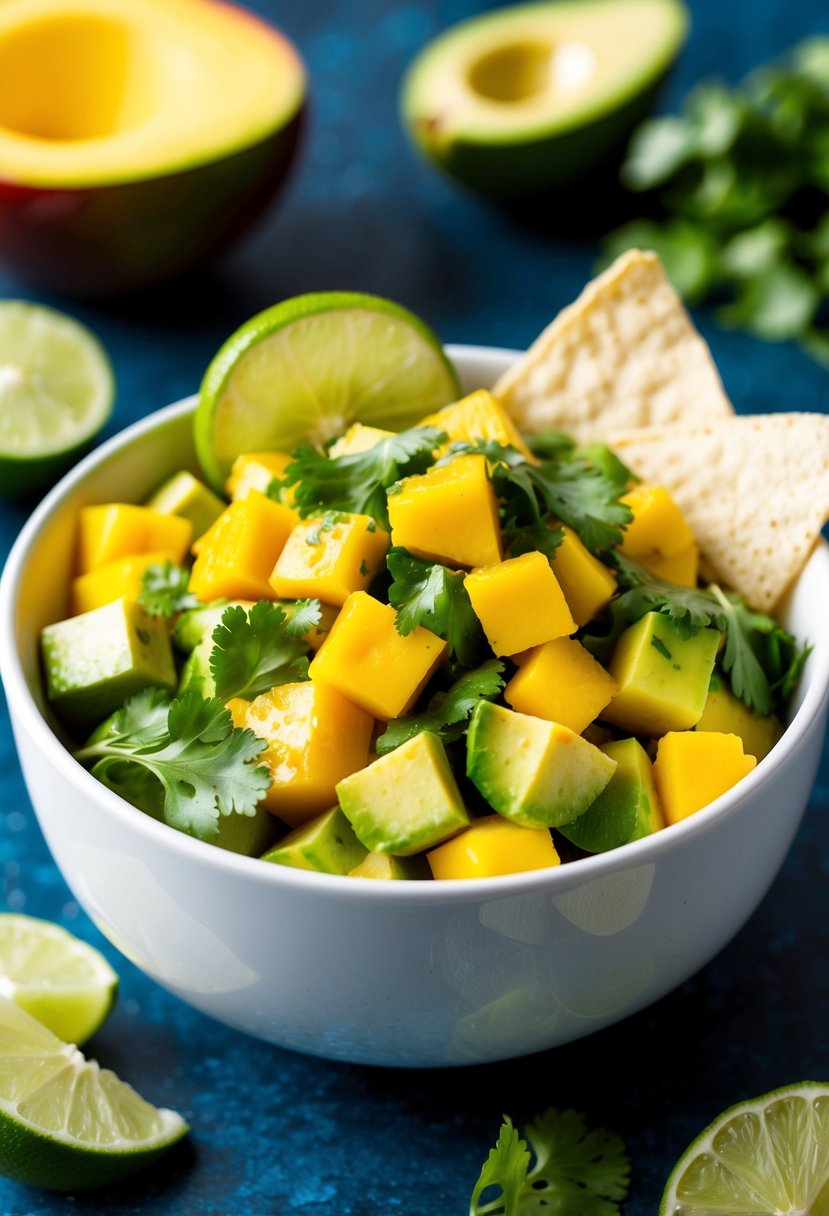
point(741, 181)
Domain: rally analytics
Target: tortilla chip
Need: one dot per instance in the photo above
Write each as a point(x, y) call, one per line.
point(624, 355)
point(755, 491)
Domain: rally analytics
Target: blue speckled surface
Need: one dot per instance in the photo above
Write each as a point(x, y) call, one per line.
point(278, 1133)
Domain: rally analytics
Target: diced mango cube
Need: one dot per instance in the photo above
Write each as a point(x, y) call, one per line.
point(562, 682)
point(692, 768)
point(658, 528)
point(726, 714)
point(448, 514)
point(491, 846)
point(237, 555)
point(120, 529)
point(681, 568)
point(256, 471)
point(519, 603)
point(369, 661)
point(358, 438)
point(117, 580)
point(329, 557)
point(184, 495)
point(315, 738)
point(662, 676)
point(587, 583)
point(479, 416)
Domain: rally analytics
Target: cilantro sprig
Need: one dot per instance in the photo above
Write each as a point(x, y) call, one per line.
point(561, 1166)
point(255, 650)
point(165, 590)
point(207, 766)
point(357, 484)
point(447, 713)
point(426, 593)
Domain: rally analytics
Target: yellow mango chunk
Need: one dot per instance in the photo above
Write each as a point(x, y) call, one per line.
point(726, 714)
point(120, 579)
point(491, 846)
point(479, 416)
point(315, 737)
point(236, 556)
point(658, 529)
point(448, 514)
point(496, 592)
point(587, 583)
point(681, 568)
point(692, 768)
point(358, 438)
point(120, 529)
point(562, 682)
point(329, 557)
point(255, 471)
point(366, 659)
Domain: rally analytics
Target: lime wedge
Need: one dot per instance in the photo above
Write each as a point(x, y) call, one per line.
point(63, 982)
point(65, 1123)
point(767, 1157)
point(306, 369)
point(56, 392)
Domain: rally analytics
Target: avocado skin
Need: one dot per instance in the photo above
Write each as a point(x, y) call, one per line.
point(102, 240)
point(507, 172)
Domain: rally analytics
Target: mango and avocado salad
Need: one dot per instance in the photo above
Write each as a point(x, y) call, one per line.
point(447, 651)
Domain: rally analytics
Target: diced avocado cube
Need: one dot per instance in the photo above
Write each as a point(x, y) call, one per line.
point(196, 624)
point(384, 866)
point(406, 801)
point(537, 773)
point(196, 675)
point(95, 661)
point(326, 843)
point(662, 676)
point(627, 808)
point(184, 495)
point(726, 714)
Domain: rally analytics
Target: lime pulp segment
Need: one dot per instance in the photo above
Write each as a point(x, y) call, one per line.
point(767, 1157)
point(64, 983)
point(66, 1123)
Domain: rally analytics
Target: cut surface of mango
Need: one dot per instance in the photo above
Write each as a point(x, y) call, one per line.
point(236, 556)
point(449, 514)
point(329, 557)
point(562, 682)
point(491, 846)
point(118, 529)
point(692, 768)
point(519, 603)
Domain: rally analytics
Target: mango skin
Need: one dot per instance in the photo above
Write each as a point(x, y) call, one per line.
point(102, 240)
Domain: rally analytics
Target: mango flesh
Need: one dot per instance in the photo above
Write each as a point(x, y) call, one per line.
point(236, 556)
point(492, 846)
point(587, 583)
point(329, 557)
point(562, 682)
point(327, 844)
point(628, 808)
point(692, 768)
point(448, 514)
point(121, 579)
point(119, 529)
point(494, 592)
point(726, 714)
point(475, 417)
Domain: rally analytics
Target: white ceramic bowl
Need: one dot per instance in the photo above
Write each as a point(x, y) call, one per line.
point(415, 974)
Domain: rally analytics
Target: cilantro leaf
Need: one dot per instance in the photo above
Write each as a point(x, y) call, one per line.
point(257, 650)
point(164, 590)
point(205, 764)
point(358, 483)
point(447, 713)
point(426, 593)
point(572, 1169)
point(689, 608)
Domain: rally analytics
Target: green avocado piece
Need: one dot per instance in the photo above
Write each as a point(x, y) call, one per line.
point(198, 623)
point(663, 677)
point(326, 843)
point(184, 495)
point(95, 661)
point(407, 800)
point(520, 100)
point(537, 773)
point(383, 865)
point(627, 808)
point(196, 675)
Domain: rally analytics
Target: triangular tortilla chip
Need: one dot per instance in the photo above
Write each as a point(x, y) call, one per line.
point(624, 355)
point(755, 491)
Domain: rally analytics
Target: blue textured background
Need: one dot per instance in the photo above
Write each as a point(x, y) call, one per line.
point(275, 1132)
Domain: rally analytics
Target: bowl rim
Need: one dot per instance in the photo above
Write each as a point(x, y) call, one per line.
point(554, 880)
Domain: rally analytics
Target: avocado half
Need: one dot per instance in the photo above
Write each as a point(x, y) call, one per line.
point(521, 100)
point(137, 137)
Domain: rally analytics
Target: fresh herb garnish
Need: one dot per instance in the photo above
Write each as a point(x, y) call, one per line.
point(566, 1169)
point(164, 590)
point(254, 651)
point(205, 764)
point(426, 593)
point(447, 713)
point(358, 483)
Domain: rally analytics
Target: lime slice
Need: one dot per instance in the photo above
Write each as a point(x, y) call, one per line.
point(61, 981)
point(56, 392)
point(65, 1123)
point(307, 368)
point(767, 1157)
